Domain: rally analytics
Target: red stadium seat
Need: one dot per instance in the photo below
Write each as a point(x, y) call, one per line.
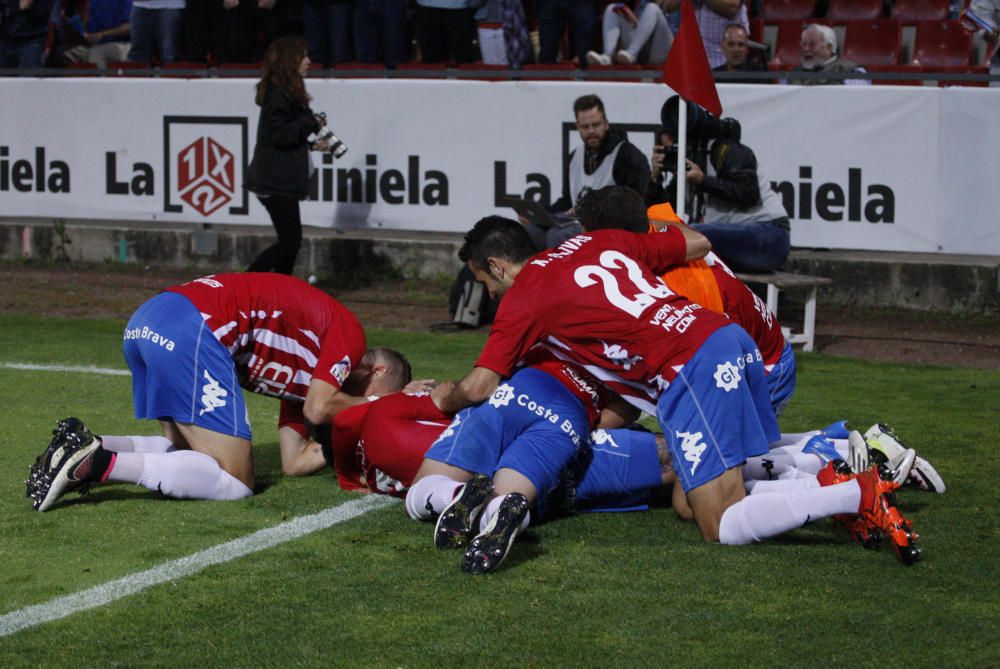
point(557, 71)
point(941, 44)
point(358, 70)
point(908, 69)
point(962, 69)
point(241, 69)
point(786, 10)
point(619, 73)
point(83, 69)
point(757, 30)
point(422, 70)
point(854, 10)
point(184, 65)
point(481, 68)
point(909, 11)
point(877, 42)
point(786, 45)
point(126, 68)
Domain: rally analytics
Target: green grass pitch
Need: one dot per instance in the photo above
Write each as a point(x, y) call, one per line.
point(597, 590)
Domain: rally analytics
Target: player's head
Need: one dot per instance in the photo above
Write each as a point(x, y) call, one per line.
point(613, 207)
point(495, 250)
point(381, 371)
point(591, 121)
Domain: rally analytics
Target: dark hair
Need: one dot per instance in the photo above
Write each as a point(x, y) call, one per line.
point(281, 68)
point(586, 102)
point(398, 370)
point(497, 237)
point(613, 207)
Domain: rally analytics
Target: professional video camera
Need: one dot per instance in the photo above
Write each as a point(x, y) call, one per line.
point(702, 127)
point(337, 147)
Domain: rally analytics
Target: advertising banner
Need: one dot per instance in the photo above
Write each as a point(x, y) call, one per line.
point(882, 168)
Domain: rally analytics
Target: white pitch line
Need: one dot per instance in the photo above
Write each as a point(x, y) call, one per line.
point(31, 367)
point(106, 593)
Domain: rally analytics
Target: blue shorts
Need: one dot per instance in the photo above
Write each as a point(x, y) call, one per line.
point(180, 371)
point(781, 380)
point(623, 467)
point(531, 424)
point(717, 411)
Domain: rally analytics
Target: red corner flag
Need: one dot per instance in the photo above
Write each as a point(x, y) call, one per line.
point(686, 69)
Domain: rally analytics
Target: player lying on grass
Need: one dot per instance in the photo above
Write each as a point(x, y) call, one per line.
point(710, 283)
point(190, 350)
point(596, 300)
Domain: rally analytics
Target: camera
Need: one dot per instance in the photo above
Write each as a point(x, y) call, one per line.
point(702, 125)
point(337, 146)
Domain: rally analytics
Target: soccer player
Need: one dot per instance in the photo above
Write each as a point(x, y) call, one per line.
point(596, 300)
point(190, 349)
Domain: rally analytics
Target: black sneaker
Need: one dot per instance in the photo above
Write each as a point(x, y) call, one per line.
point(491, 546)
point(66, 465)
point(454, 525)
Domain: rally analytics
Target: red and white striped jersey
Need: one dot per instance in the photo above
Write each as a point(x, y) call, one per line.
point(280, 331)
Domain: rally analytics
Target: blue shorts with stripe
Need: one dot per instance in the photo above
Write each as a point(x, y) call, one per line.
point(617, 472)
point(717, 411)
point(531, 424)
point(781, 380)
point(180, 371)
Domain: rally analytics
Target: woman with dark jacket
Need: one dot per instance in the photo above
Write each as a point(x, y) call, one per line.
point(279, 171)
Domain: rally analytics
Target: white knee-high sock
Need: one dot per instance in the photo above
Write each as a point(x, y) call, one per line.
point(491, 510)
point(179, 474)
point(758, 517)
point(781, 485)
point(428, 497)
point(136, 444)
point(771, 466)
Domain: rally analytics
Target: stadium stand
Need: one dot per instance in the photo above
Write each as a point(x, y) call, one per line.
point(941, 44)
point(873, 42)
point(920, 10)
point(786, 10)
point(854, 10)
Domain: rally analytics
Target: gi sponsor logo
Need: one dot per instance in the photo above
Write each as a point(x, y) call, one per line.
point(341, 370)
point(213, 396)
point(727, 376)
point(692, 446)
point(502, 396)
point(205, 162)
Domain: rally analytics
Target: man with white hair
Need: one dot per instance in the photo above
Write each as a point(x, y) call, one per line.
point(819, 54)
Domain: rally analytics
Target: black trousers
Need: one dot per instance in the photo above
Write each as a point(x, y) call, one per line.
point(280, 257)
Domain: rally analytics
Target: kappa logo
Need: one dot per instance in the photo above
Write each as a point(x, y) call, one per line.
point(603, 438)
point(502, 396)
point(692, 446)
point(727, 376)
point(618, 355)
point(213, 396)
point(341, 370)
point(450, 430)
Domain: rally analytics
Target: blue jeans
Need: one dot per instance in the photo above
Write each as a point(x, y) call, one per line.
point(553, 15)
point(380, 23)
point(748, 247)
point(155, 31)
point(328, 31)
point(22, 53)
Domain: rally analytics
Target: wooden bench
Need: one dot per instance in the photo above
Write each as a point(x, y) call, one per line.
point(778, 281)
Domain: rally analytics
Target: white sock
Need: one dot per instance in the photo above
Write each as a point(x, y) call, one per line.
point(770, 466)
point(429, 496)
point(136, 444)
point(179, 474)
point(491, 510)
point(758, 517)
point(781, 485)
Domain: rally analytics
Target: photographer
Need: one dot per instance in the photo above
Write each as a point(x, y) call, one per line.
point(280, 169)
point(732, 203)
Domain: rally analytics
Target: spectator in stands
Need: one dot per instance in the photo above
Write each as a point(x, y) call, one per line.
point(640, 36)
point(24, 26)
point(279, 171)
point(819, 54)
point(713, 17)
point(327, 25)
point(739, 212)
point(553, 15)
point(989, 10)
point(516, 42)
point(156, 30)
point(380, 31)
point(446, 30)
point(606, 158)
point(104, 35)
point(736, 48)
